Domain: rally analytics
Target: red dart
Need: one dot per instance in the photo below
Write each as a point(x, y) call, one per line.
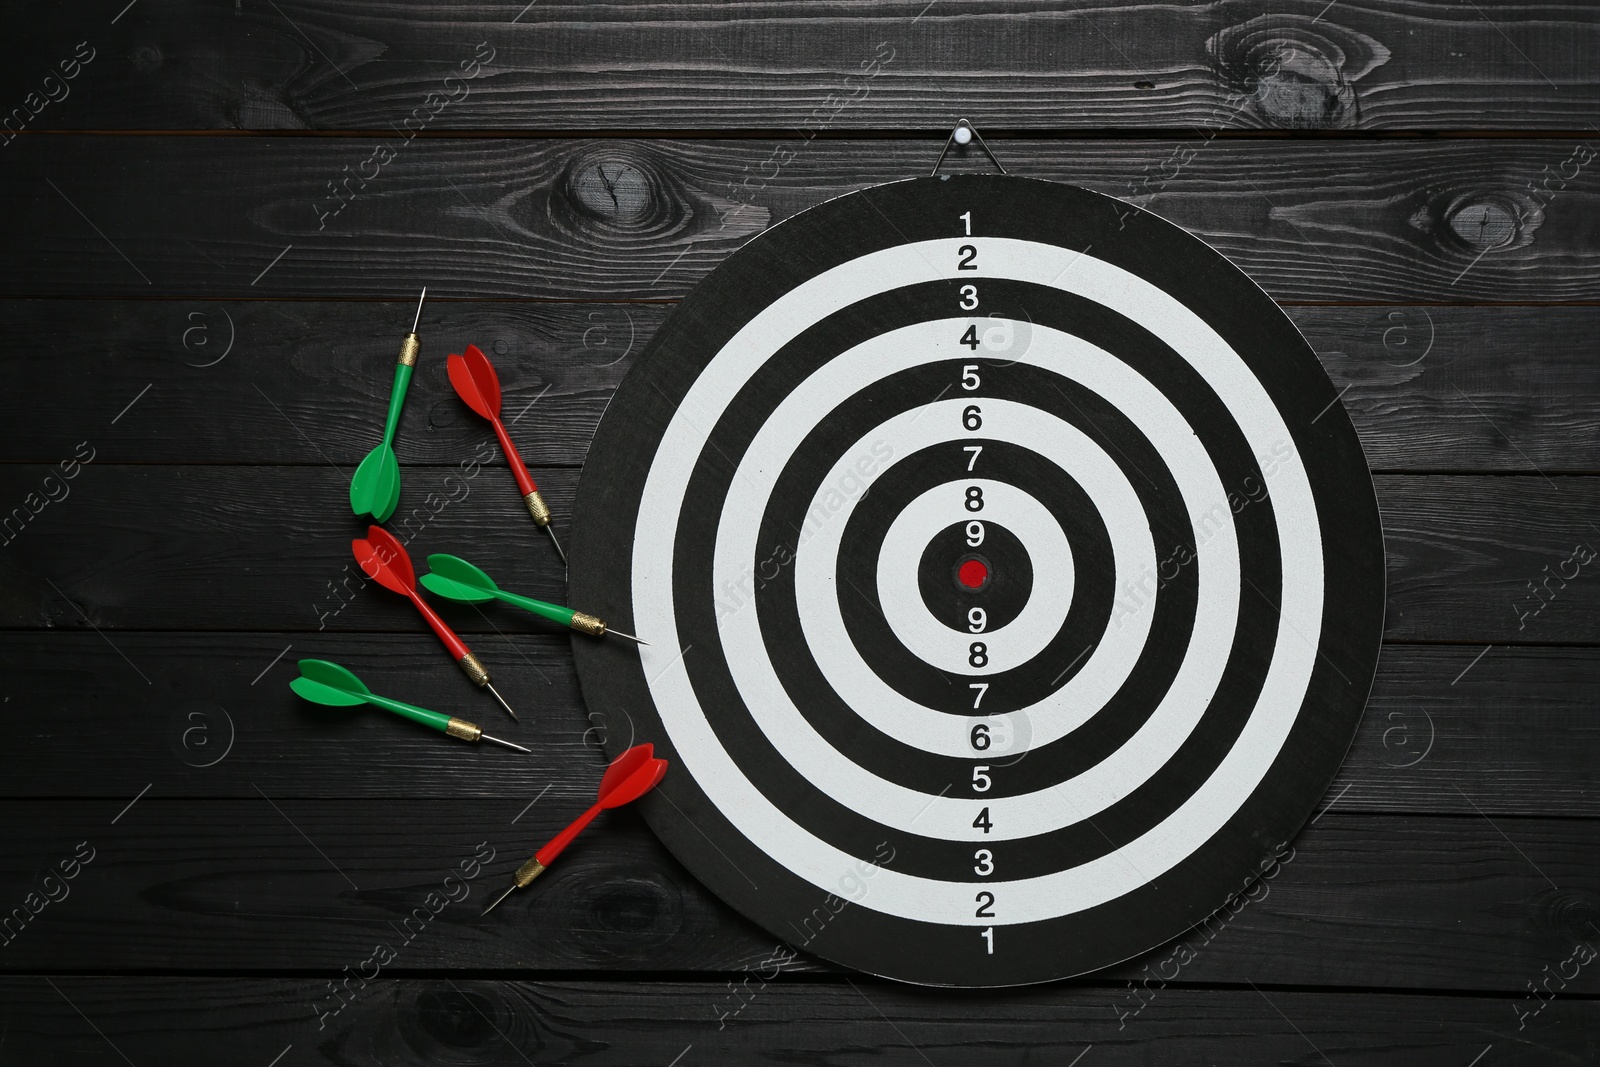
point(476, 382)
point(384, 559)
point(630, 776)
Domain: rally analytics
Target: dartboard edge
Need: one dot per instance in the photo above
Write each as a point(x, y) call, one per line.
point(1013, 575)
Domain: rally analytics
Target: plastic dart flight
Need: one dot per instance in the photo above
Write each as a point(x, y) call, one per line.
point(630, 776)
point(384, 560)
point(475, 382)
point(455, 579)
point(375, 489)
point(327, 683)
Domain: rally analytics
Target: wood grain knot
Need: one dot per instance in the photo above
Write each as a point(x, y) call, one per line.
point(1568, 915)
point(263, 108)
point(1293, 72)
point(614, 193)
point(146, 58)
point(1479, 222)
point(453, 1018)
point(628, 911)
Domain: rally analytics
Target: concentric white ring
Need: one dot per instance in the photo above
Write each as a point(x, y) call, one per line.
point(1197, 818)
point(931, 639)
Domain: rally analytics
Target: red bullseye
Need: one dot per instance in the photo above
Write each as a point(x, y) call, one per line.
point(973, 574)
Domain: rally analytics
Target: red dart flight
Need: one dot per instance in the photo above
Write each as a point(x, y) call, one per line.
point(384, 560)
point(630, 776)
point(475, 382)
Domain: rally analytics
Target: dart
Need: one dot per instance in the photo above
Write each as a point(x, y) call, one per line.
point(375, 489)
point(475, 382)
point(455, 579)
point(384, 559)
point(630, 776)
point(327, 683)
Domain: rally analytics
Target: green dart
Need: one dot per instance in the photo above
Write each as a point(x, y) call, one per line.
point(327, 683)
point(455, 579)
point(375, 490)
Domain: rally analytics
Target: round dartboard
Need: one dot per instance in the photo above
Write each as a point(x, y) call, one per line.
point(1013, 575)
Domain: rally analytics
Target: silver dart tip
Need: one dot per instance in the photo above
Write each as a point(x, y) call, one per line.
point(508, 744)
point(490, 687)
point(630, 637)
point(559, 550)
point(418, 318)
point(494, 903)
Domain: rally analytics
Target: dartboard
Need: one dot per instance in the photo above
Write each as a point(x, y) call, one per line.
point(1013, 575)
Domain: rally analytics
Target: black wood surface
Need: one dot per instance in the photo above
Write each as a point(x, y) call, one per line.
point(200, 332)
point(1302, 65)
point(460, 1020)
point(1392, 221)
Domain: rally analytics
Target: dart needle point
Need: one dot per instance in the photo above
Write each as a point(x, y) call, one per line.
point(490, 687)
point(559, 550)
point(630, 637)
point(494, 903)
point(418, 318)
point(508, 744)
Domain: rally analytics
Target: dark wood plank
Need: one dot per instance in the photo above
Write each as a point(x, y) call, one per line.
point(777, 1021)
point(1465, 389)
point(267, 548)
point(1429, 388)
point(646, 65)
point(1446, 730)
point(228, 885)
point(260, 547)
point(1512, 733)
point(1491, 559)
point(1456, 221)
point(224, 376)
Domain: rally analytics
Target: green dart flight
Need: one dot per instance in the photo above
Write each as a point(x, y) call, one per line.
point(327, 683)
point(455, 579)
point(375, 489)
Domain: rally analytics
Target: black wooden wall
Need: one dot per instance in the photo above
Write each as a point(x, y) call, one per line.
point(216, 220)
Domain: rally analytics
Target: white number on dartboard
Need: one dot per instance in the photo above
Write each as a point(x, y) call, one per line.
point(969, 371)
point(969, 258)
point(985, 900)
point(966, 218)
point(984, 864)
point(974, 533)
point(969, 298)
point(977, 620)
point(977, 698)
point(980, 781)
point(988, 936)
point(976, 451)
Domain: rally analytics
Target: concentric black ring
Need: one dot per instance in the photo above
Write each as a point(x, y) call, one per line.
point(1001, 591)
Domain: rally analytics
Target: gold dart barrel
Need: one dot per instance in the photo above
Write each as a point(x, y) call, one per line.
point(462, 729)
